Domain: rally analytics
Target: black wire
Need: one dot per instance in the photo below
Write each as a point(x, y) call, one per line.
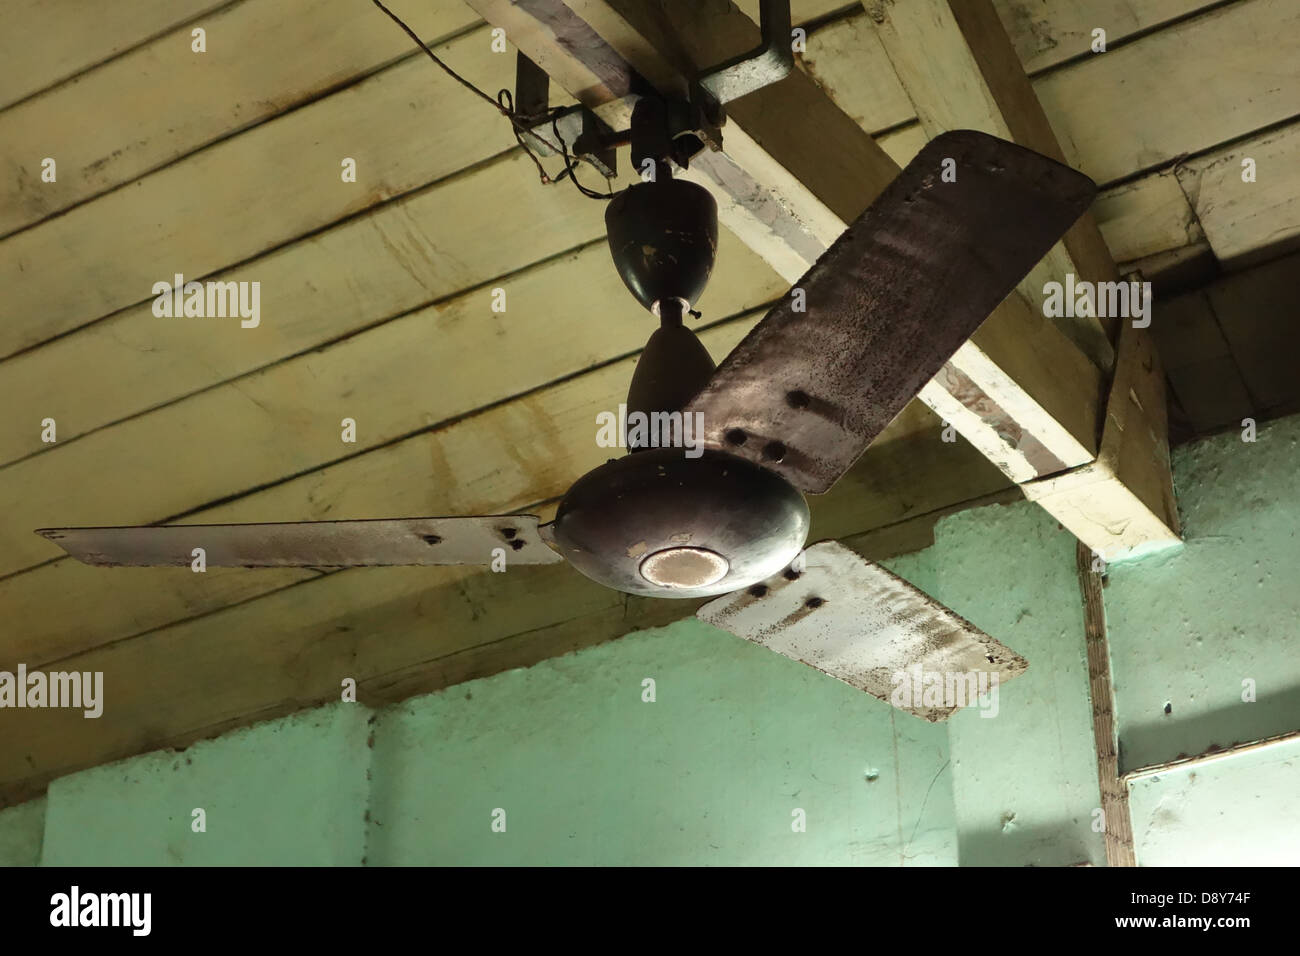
point(570, 167)
point(504, 104)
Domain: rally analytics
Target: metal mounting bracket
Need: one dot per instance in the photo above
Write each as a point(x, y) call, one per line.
point(769, 62)
point(690, 125)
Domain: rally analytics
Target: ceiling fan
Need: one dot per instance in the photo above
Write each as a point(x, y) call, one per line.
point(786, 413)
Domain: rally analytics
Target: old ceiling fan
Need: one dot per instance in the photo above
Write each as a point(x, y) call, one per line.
point(785, 414)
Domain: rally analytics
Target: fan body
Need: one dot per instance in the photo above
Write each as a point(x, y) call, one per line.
point(660, 524)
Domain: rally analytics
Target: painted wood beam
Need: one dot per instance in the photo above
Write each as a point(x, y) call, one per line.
point(1116, 819)
point(1209, 756)
point(1122, 504)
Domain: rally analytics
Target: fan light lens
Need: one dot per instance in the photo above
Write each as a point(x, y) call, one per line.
point(684, 568)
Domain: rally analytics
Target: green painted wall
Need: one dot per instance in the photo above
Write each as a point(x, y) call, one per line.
point(711, 772)
point(1188, 627)
point(21, 831)
point(289, 791)
point(1024, 782)
point(1237, 811)
point(738, 738)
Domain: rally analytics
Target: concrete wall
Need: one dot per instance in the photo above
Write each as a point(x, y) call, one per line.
point(737, 741)
point(21, 831)
point(1025, 782)
point(289, 791)
point(1240, 810)
point(1194, 629)
point(737, 738)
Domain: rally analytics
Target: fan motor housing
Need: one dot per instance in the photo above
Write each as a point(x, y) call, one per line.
point(660, 524)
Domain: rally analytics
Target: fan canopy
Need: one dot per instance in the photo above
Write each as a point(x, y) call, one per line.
point(663, 236)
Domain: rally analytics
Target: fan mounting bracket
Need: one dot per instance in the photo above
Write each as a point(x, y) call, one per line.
point(688, 125)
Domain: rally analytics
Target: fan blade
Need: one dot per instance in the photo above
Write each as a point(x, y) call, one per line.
point(887, 305)
point(861, 624)
point(312, 544)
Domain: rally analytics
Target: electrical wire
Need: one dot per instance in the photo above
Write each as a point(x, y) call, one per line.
point(570, 168)
point(504, 104)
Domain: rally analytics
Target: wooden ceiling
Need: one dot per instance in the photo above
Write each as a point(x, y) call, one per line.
point(377, 305)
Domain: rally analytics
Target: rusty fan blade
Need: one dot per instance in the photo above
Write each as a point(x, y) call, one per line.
point(887, 305)
point(313, 544)
point(861, 624)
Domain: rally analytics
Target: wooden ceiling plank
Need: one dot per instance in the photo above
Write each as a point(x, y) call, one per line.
point(1146, 217)
point(445, 361)
point(904, 143)
point(286, 649)
point(1139, 218)
point(119, 121)
point(405, 126)
point(399, 256)
point(862, 83)
point(499, 460)
point(960, 70)
point(1161, 212)
point(1246, 221)
point(1201, 368)
point(1044, 33)
point(87, 32)
point(1049, 32)
point(1144, 104)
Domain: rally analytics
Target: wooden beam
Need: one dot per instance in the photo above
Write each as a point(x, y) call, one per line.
point(1101, 692)
point(1122, 504)
point(1146, 217)
point(1209, 756)
point(960, 71)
